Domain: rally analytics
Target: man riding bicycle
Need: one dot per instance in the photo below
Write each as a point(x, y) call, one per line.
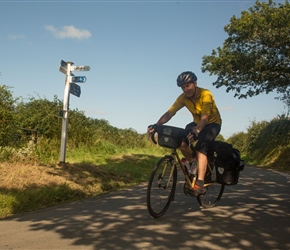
point(205, 127)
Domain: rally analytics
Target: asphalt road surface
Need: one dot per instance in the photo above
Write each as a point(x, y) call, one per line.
point(255, 214)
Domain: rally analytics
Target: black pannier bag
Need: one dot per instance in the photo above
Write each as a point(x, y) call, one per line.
point(228, 163)
point(170, 137)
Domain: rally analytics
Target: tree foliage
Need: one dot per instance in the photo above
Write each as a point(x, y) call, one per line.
point(274, 135)
point(8, 123)
point(265, 143)
point(255, 58)
point(42, 117)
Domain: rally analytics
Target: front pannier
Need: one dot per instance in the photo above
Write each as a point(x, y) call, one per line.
point(170, 137)
point(228, 163)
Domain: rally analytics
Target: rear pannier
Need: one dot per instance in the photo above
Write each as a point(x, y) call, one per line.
point(228, 163)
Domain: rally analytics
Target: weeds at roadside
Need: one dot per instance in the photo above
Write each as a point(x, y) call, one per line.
point(27, 188)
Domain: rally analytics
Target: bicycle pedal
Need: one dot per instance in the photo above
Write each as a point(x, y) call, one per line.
point(190, 193)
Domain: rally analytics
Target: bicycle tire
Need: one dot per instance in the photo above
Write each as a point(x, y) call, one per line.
point(161, 186)
point(214, 192)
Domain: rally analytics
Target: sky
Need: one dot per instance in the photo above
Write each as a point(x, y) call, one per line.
point(135, 50)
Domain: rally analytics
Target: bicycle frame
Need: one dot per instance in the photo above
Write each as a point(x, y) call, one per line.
point(175, 156)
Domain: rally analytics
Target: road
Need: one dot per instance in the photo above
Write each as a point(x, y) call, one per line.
point(255, 214)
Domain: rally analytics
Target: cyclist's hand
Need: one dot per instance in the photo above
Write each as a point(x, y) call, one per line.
point(192, 135)
point(151, 132)
point(151, 128)
point(190, 138)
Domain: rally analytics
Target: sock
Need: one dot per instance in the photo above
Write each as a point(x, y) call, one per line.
point(199, 183)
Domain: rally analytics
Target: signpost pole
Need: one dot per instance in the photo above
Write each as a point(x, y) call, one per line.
point(69, 88)
point(65, 114)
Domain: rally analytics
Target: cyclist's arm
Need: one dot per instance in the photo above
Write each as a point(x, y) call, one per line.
point(203, 121)
point(199, 127)
point(165, 118)
point(177, 105)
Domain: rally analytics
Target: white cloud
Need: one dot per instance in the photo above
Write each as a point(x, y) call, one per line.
point(69, 32)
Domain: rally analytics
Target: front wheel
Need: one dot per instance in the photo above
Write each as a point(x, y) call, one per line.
point(214, 191)
point(161, 186)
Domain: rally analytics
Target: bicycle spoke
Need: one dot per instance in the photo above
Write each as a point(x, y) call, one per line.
point(161, 186)
point(214, 190)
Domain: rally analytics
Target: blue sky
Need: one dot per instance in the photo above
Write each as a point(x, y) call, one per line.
point(135, 50)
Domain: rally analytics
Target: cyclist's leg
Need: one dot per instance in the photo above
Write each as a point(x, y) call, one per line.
point(185, 148)
point(205, 139)
point(186, 152)
point(202, 165)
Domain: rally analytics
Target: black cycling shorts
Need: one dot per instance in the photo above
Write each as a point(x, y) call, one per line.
point(205, 137)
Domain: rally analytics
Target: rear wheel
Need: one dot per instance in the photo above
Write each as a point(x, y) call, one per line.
point(161, 186)
point(214, 190)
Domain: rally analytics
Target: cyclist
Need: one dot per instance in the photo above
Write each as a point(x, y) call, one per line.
point(205, 127)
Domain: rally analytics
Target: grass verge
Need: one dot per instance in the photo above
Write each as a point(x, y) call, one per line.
point(26, 188)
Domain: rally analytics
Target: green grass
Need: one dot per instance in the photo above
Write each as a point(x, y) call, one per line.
point(30, 187)
point(13, 201)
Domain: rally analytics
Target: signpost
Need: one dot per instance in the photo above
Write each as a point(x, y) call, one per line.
point(80, 68)
point(78, 79)
point(75, 89)
point(70, 88)
point(63, 69)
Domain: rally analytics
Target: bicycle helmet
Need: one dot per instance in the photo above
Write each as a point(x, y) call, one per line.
point(186, 77)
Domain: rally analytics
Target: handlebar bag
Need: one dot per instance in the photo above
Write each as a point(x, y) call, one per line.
point(170, 137)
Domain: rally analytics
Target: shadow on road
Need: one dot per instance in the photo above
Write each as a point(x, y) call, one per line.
point(251, 215)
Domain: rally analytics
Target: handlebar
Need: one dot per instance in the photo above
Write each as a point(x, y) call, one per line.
point(156, 129)
point(151, 135)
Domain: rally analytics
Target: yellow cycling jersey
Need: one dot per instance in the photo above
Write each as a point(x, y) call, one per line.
point(203, 104)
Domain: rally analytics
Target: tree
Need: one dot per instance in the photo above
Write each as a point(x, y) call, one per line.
point(8, 124)
point(255, 58)
point(41, 115)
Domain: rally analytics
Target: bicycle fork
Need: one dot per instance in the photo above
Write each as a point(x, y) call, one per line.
point(170, 175)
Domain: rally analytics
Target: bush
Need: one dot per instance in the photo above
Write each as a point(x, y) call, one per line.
point(48, 150)
point(238, 141)
point(266, 141)
point(25, 154)
point(8, 122)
